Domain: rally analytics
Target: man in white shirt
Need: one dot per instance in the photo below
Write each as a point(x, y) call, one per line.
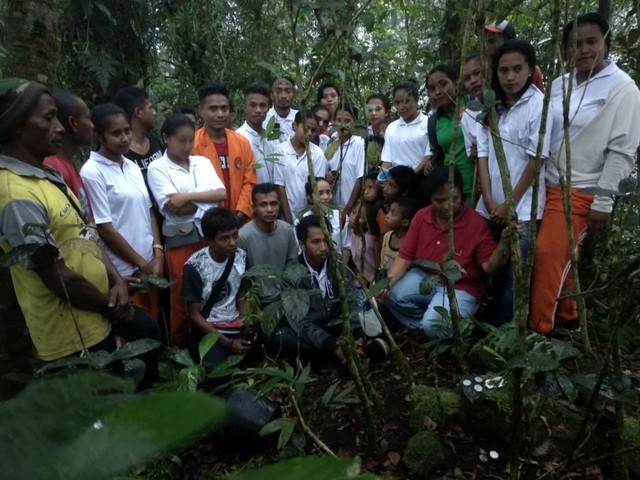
point(282, 91)
point(256, 103)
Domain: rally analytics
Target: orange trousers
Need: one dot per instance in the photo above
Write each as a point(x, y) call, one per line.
point(147, 301)
point(176, 258)
point(551, 262)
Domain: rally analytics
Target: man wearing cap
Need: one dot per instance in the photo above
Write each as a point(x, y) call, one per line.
point(282, 91)
point(500, 32)
point(70, 297)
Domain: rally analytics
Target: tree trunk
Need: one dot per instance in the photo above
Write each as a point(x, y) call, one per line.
point(604, 9)
point(31, 39)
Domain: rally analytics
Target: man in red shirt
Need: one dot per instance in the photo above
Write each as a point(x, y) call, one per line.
point(75, 117)
point(428, 239)
point(229, 152)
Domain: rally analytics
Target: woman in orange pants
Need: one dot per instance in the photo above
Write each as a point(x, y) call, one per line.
point(604, 113)
point(184, 186)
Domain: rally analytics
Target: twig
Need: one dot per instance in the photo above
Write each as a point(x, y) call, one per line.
point(323, 446)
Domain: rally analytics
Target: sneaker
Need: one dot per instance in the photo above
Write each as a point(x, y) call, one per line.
point(377, 349)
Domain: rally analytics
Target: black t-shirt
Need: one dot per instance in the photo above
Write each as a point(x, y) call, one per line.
point(156, 149)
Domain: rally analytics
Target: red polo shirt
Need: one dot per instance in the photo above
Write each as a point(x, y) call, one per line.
point(473, 243)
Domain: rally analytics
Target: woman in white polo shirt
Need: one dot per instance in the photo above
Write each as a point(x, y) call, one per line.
point(121, 204)
point(184, 186)
point(405, 140)
point(519, 113)
point(604, 114)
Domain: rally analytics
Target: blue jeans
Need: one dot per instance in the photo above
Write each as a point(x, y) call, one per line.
point(417, 311)
point(501, 308)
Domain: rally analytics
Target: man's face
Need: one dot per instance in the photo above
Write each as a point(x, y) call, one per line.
point(494, 40)
point(41, 133)
point(266, 207)
point(81, 124)
point(282, 93)
point(315, 247)
point(147, 115)
point(255, 108)
point(312, 126)
point(214, 109)
point(225, 243)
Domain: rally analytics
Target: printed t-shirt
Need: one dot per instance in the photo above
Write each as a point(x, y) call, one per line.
point(73, 180)
point(144, 160)
point(222, 149)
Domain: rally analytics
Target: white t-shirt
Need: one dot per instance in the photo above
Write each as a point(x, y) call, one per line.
point(470, 128)
point(199, 275)
point(285, 123)
point(519, 129)
point(405, 143)
point(262, 148)
point(292, 172)
point(351, 168)
point(339, 236)
point(165, 177)
point(119, 196)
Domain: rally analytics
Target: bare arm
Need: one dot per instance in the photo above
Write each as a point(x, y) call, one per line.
point(485, 183)
point(355, 195)
point(500, 255)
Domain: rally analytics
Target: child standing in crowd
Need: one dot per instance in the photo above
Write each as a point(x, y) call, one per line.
point(397, 221)
point(373, 202)
point(184, 187)
point(472, 81)
point(441, 85)
point(401, 182)
point(365, 247)
point(323, 116)
point(121, 204)
point(291, 170)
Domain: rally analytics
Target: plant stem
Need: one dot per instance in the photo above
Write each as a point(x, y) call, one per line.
point(305, 428)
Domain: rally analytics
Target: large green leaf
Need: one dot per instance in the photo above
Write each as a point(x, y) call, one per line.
point(91, 425)
point(296, 304)
point(378, 287)
point(20, 254)
point(535, 361)
point(308, 468)
point(135, 348)
point(431, 264)
point(427, 284)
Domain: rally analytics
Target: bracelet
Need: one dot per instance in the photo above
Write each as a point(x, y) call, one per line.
point(159, 247)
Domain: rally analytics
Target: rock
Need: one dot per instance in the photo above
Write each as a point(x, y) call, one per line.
point(424, 453)
point(440, 405)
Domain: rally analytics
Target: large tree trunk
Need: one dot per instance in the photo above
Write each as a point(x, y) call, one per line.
point(450, 33)
point(604, 9)
point(30, 36)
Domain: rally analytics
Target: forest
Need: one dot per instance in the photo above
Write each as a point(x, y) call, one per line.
point(492, 402)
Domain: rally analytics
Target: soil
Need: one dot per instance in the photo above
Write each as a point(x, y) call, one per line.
point(469, 454)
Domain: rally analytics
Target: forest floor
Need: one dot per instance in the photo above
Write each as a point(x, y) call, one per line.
point(470, 454)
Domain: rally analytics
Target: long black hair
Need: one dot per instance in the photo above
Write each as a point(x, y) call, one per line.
point(518, 46)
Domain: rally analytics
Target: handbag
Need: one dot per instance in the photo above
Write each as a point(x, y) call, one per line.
point(180, 235)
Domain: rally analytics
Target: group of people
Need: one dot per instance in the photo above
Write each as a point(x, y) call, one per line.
point(202, 206)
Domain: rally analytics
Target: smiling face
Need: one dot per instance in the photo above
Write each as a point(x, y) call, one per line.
point(41, 133)
point(405, 104)
point(116, 138)
point(590, 49)
point(442, 90)
point(513, 73)
point(214, 109)
point(471, 77)
point(180, 143)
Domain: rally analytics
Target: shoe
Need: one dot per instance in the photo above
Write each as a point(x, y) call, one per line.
point(377, 349)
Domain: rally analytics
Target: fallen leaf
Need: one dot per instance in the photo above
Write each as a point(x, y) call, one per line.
point(394, 457)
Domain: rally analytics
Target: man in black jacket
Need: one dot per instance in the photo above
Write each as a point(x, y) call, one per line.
point(316, 334)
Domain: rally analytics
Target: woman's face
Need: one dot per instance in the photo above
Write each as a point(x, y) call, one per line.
point(590, 49)
point(376, 112)
point(471, 77)
point(513, 73)
point(441, 89)
point(330, 99)
point(406, 105)
point(180, 143)
point(391, 190)
point(324, 192)
point(322, 117)
point(116, 137)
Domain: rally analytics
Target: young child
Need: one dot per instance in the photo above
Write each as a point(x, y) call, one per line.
point(339, 236)
point(373, 202)
point(200, 277)
point(397, 221)
point(401, 181)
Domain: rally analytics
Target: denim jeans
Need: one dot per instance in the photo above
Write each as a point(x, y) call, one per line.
point(416, 311)
point(501, 308)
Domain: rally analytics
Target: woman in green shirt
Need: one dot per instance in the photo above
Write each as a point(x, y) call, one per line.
point(441, 86)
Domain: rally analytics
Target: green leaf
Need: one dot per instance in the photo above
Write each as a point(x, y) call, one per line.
point(20, 254)
point(378, 287)
point(346, 396)
point(259, 272)
point(135, 348)
point(181, 356)
point(427, 284)
point(189, 378)
point(534, 361)
point(475, 105)
point(283, 425)
point(64, 363)
point(453, 271)
point(295, 273)
point(308, 468)
point(296, 304)
point(328, 394)
point(564, 350)
point(490, 99)
point(30, 228)
point(207, 343)
point(430, 264)
point(271, 316)
point(567, 387)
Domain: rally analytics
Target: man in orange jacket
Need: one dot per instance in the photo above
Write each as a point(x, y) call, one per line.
point(229, 152)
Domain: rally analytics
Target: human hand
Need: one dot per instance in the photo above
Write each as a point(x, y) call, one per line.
point(155, 267)
point(176, 202)
point(329, 177)
point(474, 150)
point(499, 213)
point(340, 354)
point(118, 296)
point(597, 221)
point(240, 345)
point(360, 346)
point(121, 315)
